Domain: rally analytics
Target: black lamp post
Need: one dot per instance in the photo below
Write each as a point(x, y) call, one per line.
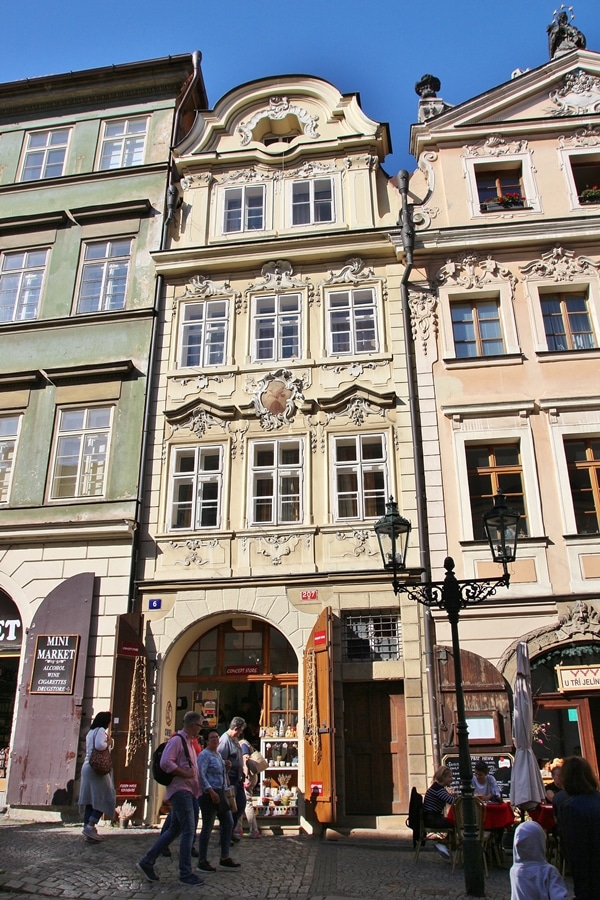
point(501, 527)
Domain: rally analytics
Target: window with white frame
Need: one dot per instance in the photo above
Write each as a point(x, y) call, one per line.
point(21, 280)
point(359, 476)
point(81, 452)
point(567, 321)
point(276, 480)
point(196, 487)
point(104, 273)
point(476, 328)
point(583, 466)
point(277, 324)
point(244, 209)
point(492, 468)
point(501, 183)
point(352, 322)
point(312, 201)
point(203, 333)
point(9, 433)
point(585, 170)
point(123, 143)
point(45, 154)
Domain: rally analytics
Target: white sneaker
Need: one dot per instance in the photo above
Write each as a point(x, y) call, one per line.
point(89, 832)
point(443, 851)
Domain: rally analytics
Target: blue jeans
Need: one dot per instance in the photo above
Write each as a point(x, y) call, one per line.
point(240, 800)
point(91, 815)
point(209, 812)
point(183, 822)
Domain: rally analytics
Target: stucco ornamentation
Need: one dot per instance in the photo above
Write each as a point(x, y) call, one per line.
point(278, 546)
point(422, 216)
point(470, 272)
point(245, 176)
point(560, 265)
point(277, 397)
point(579, 622)
point(355, 273)
point(311, 169)
point(495, 145)
point(278, 276)
point(192, 551)
point(354, 369)
point(369, 161)
point(584, 137)
point(578, 95)
point(278, 108)
point(362, 542)
point(200, 287)
point(423, 317)
point(191, 181)
point(200, 382)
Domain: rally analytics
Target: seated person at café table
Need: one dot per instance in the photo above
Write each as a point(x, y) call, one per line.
point(556, 784)
point(437, 797)
point(484, 784)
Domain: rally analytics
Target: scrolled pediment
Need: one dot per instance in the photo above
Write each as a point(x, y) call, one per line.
point(560, 265)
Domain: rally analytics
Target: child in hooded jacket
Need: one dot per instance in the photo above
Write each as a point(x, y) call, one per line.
point(531, 877)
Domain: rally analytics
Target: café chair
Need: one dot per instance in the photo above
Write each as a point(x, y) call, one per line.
point(484, 836)
point(421, 832)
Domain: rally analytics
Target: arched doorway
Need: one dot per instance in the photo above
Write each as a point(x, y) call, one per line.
point(11, 633)
point(241, 667)
point(566, 686)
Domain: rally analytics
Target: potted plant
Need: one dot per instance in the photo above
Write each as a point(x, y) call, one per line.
point(590, 195)
point(503, 201)
point(125, 812)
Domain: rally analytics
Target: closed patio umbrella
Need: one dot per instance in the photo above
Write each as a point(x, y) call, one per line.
point(526, 787)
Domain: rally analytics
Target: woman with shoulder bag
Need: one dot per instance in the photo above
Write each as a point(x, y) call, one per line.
point(213, 802)
point(97, 791)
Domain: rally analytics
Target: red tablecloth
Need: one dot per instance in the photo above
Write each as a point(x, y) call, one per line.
point(496, 815)
point(544, 815)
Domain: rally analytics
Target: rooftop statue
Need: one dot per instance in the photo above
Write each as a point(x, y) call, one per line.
point(428, 86)
point(562, 35)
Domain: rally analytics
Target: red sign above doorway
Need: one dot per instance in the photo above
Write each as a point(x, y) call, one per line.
point(241, 670)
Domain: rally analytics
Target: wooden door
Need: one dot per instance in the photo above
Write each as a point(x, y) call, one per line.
point(569, 726)
point(375, 748)
point(319, 770)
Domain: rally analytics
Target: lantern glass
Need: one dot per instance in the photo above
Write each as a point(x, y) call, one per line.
point(392, 532)
point(502, 527)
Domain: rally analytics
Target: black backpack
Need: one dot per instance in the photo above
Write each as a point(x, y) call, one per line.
point(158, 773)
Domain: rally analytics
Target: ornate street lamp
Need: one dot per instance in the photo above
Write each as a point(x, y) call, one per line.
point(501, 525)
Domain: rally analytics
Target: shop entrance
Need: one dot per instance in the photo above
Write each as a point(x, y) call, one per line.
point(375, 748)
point(566, 723)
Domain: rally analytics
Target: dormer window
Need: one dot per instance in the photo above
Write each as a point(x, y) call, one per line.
point(500, 187)
point(272, 138)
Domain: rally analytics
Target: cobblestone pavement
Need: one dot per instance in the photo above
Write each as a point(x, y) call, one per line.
point(55, 861)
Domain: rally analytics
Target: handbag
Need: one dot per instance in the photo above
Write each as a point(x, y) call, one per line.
point(257, 763)
point(100, 760)
point(222, 805)
point(230, 797)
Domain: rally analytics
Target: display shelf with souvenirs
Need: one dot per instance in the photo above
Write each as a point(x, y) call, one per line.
point(278, 784)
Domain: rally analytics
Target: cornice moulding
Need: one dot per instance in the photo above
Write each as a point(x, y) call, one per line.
point(512, 233)
point(570, 403)
point(506, 407)
point(237, 256)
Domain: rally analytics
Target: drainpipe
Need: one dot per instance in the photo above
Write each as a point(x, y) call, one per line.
point(171, 203)
point(408, 243)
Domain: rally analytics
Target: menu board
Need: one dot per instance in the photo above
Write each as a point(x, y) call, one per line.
point(500, 766)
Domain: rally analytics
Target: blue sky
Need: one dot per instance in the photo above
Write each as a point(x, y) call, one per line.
point(379, 51)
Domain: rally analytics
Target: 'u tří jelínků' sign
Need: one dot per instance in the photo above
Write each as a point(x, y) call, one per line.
point(54, 664)
point(578, 678)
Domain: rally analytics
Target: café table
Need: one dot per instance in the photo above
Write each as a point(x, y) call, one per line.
point(496, 817)
point(544, 815)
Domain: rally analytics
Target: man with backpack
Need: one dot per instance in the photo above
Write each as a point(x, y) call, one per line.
point(179, 761)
